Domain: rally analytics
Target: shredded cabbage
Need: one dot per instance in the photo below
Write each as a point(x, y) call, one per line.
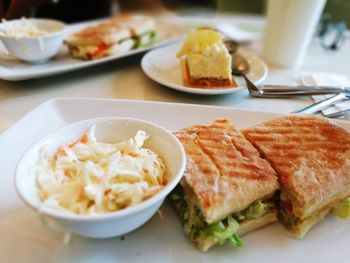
point(22, 28)
point(88, 176)
point(223, 232)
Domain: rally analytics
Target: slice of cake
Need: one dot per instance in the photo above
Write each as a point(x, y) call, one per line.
point(205, 61)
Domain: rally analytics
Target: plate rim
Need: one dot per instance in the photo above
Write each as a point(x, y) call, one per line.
point(68, 98)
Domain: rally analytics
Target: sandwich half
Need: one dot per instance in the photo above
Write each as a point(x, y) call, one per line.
point(117, 35)
point(227, 189)
point(99, 41)
point(311, 156)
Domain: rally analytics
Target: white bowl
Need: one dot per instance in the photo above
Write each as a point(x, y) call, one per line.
point(109, 129)
point(35, 49)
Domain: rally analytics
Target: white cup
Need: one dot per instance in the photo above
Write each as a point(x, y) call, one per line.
point(289, 30)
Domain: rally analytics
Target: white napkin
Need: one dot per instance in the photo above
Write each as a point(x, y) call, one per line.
point(327, 79)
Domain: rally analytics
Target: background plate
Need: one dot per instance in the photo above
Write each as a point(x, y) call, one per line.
point(162, 239)
point(13, 69)
point(162, 66)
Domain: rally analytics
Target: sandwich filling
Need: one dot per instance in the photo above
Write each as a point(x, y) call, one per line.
point(221, 231)
point(145, 40)
point(102, 50)
point(301, 226)
point(114, 36)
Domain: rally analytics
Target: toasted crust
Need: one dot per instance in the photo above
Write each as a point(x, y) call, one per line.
point(244, 228)
point(224, 171)
point(203, 82)
point(301, 228)
point(108, 33)
point(112, 31)
point(137, 24)
point(311, 156)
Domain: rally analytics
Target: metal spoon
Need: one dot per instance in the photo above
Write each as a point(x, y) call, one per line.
point(231, 46)
point(241, 68)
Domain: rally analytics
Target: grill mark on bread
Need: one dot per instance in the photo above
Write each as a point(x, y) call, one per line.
point(219, 144)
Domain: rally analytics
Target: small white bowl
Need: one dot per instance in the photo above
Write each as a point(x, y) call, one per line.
point(110, 129)
point(34, 49)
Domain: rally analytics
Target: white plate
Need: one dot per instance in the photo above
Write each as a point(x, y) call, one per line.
point(162, 66)
point(14, 69)
point(23, 239)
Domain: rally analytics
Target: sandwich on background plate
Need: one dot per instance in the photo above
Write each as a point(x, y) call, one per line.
point(116, 35)
point(205, 61)
point(227, 188)
point(142, 28)
point(311, 156)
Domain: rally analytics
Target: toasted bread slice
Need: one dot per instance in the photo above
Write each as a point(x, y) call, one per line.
point(137, 24)
point(107, 33)
point(224, 171)
point(312, 158)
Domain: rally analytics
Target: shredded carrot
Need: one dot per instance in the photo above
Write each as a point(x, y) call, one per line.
point(164, 180)
point(100, 49)
point(80, 194)
point(44, 194)
point(132, 154)
point(83, 139)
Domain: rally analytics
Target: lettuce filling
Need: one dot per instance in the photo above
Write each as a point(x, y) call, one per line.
point(225, 230)
point(145, 39)
point(342, 209)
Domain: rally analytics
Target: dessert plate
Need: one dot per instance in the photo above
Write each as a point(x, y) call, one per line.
point(162, 239)
point(162, 66)
point(13, 69)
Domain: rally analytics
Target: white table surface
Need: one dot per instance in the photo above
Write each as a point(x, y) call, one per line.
point(124, 79)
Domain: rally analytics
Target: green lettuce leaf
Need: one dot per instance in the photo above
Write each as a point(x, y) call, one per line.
point(342, 209)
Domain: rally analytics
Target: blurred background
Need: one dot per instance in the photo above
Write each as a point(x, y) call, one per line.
point(79, 10)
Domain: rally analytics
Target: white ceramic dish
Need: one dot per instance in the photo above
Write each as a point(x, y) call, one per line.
point(109, 130)
point(13, 69)
point(34, 49)
point(162, 66)
point(162, 238)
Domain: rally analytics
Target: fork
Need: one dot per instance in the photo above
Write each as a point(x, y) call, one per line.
point(241, 68)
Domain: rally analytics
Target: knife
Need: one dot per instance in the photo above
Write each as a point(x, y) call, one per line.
point(283, 91)
point(323, 104)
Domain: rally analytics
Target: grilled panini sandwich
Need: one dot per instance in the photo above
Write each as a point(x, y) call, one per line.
point(116, 35)
point(227, 188)
point(311, 156)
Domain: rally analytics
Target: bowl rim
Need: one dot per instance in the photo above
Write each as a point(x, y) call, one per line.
point(48, 35)
point(66, 214)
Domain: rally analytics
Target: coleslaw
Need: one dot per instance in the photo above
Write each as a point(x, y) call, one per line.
point(22, 28)
point(88, 176)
